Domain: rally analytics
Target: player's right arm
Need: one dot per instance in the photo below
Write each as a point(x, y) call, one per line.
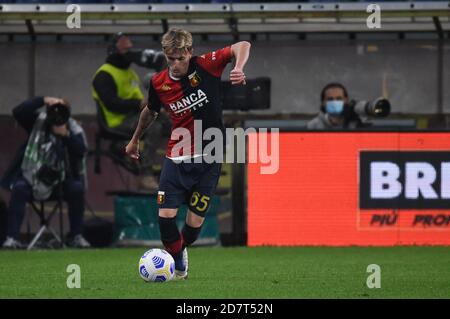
point(149, 113)
point(145, 120)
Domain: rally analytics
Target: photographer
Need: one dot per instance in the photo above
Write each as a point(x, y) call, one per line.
point(117, 92)
point(50, 165)
point(338, 112)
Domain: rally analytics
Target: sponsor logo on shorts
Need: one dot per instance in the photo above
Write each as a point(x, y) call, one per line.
point(161, 197)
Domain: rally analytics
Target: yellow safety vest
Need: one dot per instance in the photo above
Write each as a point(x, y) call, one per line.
point(128, 88)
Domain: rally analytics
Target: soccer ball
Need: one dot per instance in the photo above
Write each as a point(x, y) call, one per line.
point(156, 265)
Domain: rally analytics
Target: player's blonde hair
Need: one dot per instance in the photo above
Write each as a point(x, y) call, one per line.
point(176, 40)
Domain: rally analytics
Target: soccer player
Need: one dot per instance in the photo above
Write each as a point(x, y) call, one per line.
point(189, 89)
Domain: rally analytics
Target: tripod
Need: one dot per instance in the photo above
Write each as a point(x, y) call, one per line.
point(45, 223)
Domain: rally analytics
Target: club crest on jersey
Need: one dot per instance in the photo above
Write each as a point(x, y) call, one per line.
point(194, 78)
point(161, 197)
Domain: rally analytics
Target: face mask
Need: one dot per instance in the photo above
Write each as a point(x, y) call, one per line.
point(334, 107)
point(136, 56)
point(133, 55)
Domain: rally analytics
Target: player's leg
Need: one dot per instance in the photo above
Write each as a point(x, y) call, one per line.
point(173, 240)
point(171, 195)
point(170, 235)
point(189, 233)
point(198, 205)
point(192, 227)
point(199, 202)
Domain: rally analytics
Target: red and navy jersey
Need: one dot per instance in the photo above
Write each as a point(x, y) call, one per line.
point(196, 96)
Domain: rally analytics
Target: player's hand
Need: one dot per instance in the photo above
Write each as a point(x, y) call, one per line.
point(237, 76)
point(132, 149)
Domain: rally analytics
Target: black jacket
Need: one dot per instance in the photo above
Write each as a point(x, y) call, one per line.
point(26, 114)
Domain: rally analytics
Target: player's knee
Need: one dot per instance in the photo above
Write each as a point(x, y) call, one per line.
point(194, 219)
point(168, 212)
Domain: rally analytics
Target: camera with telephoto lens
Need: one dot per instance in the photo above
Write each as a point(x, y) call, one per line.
point(147, 58)
point(58, 114)
point(380, 107)
point(152, 59)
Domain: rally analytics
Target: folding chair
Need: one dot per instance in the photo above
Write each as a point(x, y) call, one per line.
point(39, 209)
point(105, 133)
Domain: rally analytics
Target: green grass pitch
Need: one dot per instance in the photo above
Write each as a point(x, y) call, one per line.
point(263, 272)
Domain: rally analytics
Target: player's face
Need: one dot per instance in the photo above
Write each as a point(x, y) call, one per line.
point(178, 62)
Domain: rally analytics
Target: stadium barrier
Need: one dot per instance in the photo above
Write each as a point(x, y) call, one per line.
point(224, 18)
point(136, 221)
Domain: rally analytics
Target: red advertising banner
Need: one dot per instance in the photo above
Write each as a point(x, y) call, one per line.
point(352, 188)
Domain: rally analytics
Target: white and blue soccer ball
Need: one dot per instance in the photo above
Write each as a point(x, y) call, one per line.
point(156, 265)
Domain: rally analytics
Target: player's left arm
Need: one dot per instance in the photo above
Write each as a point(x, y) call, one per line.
point(241, 52)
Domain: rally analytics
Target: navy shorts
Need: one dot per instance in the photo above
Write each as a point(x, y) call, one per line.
point(192, 184)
